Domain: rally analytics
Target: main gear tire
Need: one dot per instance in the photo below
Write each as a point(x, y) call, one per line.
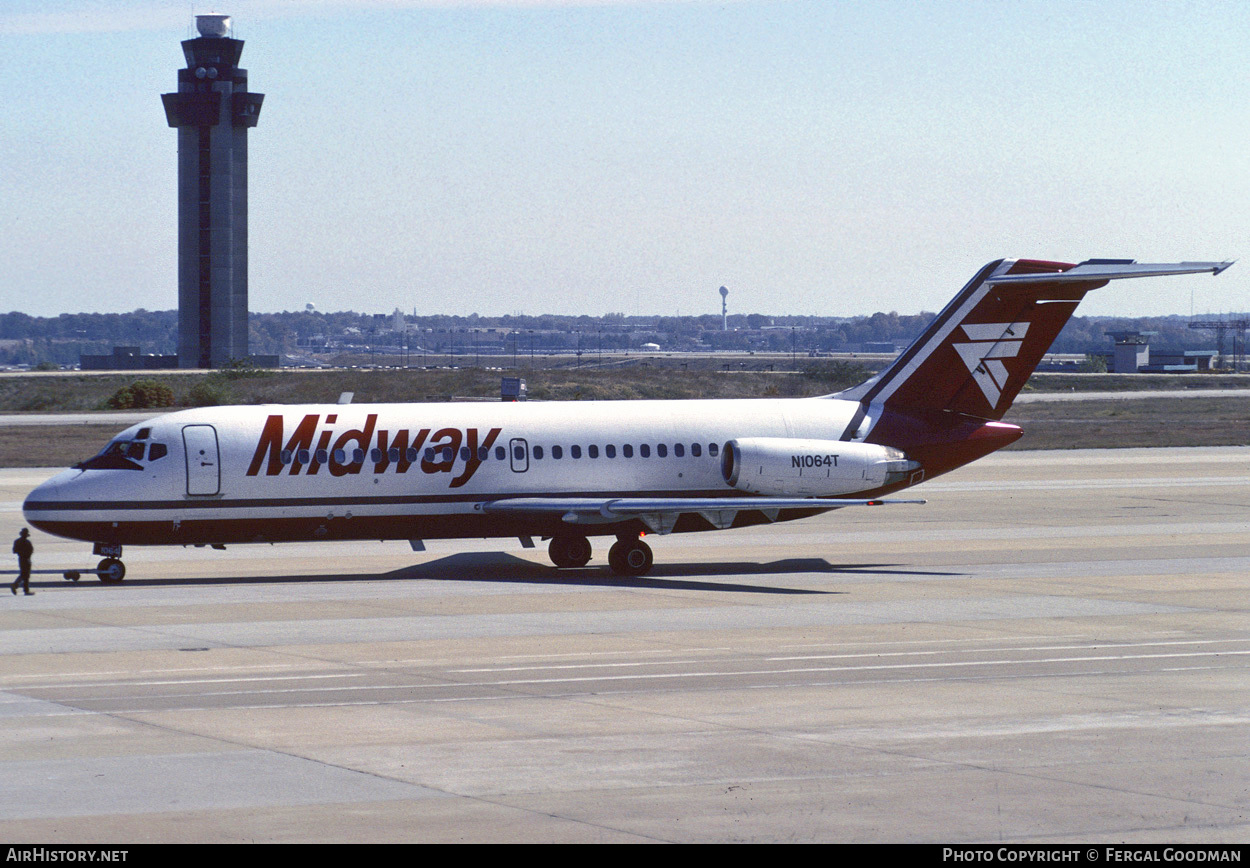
point(569, 551)
point(630, 557)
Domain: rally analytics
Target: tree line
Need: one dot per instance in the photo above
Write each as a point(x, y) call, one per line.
point(60, 340)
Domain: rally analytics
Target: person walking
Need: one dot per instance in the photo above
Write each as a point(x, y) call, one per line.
point(23, 549)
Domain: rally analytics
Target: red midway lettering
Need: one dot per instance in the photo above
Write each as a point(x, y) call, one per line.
point(402, 448)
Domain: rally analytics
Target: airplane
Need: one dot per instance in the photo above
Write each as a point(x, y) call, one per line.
point(569, 471)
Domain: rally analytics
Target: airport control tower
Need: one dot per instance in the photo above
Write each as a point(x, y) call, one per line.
point(212, 111)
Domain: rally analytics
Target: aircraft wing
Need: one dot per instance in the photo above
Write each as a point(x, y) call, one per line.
point(660, 514)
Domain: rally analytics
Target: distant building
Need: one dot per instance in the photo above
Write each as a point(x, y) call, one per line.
point(1132, 351)
point(1189, 361)
point(127, 359)
point(1132, 356)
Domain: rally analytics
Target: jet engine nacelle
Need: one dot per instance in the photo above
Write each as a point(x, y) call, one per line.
point(817, 468)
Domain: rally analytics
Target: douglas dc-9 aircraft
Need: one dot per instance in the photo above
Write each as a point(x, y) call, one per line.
point(567, 471)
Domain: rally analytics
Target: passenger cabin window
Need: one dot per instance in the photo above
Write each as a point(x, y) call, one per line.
point(696, 450)
point(627, 450)
point(609, 451)
point(557, 453)
point(592, 450)
point(575, 452)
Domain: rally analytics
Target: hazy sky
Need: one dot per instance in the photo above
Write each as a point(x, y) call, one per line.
point(460, 156)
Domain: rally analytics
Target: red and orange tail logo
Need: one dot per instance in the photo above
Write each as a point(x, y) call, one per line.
point(990, 344)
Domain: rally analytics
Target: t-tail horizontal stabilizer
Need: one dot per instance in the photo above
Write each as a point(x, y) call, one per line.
point(977, 354)
point(1115, 269)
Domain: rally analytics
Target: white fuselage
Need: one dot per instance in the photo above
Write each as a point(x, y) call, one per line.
point(404, 471)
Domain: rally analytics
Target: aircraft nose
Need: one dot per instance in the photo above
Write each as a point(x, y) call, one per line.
point(46, 496)
point(45, 491)
point(57, 506)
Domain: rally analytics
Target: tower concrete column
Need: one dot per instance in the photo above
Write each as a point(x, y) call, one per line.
point(212, 111)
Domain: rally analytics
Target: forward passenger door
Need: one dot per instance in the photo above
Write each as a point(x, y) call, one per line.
point(203, 464)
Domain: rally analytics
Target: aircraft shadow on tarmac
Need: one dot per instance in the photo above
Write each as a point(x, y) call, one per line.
point(506, 568)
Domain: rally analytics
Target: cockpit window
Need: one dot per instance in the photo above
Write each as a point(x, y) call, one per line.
point(125, 454)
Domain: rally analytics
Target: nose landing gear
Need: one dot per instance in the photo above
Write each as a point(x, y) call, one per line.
point(111, 571)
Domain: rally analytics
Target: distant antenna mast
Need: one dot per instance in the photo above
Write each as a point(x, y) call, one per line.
point(1238, 327)
point(724, 309)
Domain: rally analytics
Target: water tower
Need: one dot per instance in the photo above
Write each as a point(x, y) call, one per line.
point(724, 309)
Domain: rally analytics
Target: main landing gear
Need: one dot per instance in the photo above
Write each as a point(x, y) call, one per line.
point(569, 551)
point(629, 556)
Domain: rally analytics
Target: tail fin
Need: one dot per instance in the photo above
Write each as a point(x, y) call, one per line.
point(980, 350)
